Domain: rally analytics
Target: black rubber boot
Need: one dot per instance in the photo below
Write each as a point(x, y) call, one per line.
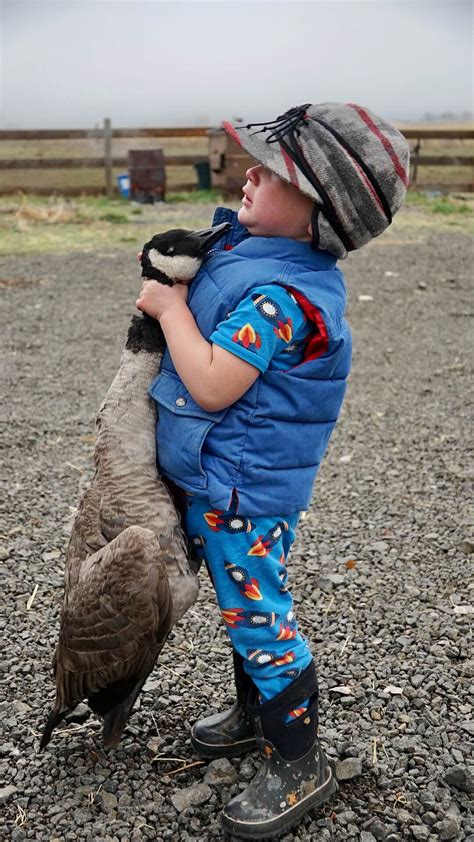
point(229, 733)
point(294, 777)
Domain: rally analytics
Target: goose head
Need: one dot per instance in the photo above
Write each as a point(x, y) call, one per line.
point(176, 256)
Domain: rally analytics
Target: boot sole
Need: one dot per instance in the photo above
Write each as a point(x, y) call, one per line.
point(210, 750)
point(275, 827)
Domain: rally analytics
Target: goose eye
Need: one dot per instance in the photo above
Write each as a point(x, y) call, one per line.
point(170, 250)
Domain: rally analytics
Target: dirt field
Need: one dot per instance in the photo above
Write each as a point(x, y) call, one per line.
point(379, 572)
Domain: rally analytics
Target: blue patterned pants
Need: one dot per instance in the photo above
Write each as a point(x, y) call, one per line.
point(246, 560)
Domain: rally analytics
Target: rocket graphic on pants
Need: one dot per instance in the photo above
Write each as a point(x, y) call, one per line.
point(247, 585)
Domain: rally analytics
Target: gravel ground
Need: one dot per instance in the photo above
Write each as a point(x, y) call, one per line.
point(380, 570)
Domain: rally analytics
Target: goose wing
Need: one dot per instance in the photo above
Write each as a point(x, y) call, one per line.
point(182, 571)
point(114, 621)
point(86, 535)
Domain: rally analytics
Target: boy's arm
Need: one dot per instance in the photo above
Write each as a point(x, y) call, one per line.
point(214, 377)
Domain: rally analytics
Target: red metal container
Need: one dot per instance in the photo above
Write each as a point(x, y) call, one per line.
point(147, 175)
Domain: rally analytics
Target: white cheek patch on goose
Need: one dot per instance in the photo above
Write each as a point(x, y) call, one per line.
point(180, 267)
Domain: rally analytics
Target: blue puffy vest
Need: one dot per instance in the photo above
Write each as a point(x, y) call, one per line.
point(263, 451)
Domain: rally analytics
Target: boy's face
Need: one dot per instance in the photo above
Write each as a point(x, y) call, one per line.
point(273, 208)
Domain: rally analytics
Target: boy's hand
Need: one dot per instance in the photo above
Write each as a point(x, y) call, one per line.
point(155, 298)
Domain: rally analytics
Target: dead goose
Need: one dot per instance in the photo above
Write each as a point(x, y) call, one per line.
point(128, 579)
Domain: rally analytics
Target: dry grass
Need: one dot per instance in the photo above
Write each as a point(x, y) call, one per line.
point(32, 224)
point(54, 212)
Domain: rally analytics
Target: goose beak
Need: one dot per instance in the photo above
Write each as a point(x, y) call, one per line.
point(208, 236)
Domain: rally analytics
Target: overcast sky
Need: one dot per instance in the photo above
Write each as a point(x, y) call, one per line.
point(70, 63)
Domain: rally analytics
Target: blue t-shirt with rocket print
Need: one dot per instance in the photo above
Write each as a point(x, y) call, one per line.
point(268, 329)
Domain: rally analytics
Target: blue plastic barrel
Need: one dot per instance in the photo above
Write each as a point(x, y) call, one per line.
point(123, 183)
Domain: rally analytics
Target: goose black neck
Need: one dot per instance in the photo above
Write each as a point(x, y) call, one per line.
point(154, 274)
point(145, 334)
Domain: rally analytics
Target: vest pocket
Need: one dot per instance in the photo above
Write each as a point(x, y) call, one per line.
point(182, 428)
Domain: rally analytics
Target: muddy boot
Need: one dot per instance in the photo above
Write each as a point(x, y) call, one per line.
point(230, 733)
point(294, 777)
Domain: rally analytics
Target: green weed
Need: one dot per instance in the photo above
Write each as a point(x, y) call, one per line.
point(195, 196)
point(114, 218)
point(447, 207)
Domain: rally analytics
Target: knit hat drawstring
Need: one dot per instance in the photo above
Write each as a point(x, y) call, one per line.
point(282, 125)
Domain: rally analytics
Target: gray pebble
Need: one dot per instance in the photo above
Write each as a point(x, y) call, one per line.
point(348, 769)
point(335, 578)
point(247, 769)
point(220, 771)
point(447, 829)
point(109, 800)
point(420, 831)
point(191, 796)
point(379, 829)
point(461, 777)
point(6, 793)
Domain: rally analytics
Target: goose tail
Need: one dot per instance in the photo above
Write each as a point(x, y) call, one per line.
point(54, 719)
point(116, 719)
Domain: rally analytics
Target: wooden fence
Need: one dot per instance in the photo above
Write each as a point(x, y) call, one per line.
point(420, 159)
point(108, 162)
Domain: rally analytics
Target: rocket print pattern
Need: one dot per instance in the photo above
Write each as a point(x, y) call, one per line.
point(289, 628)
point(217, 520)
point(292, 673)
point(248, 586)
point(270, 310)
point(283, 575)
point(293, 348)
point(296, 712)
point(260, 657)
point(237, 617)
point(264, 543)
point(198, 542)
point(247, 336)
point(246, 557)
point(288, 658)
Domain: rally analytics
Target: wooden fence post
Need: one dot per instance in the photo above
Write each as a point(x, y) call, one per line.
point(416, 151)
point(108, 156)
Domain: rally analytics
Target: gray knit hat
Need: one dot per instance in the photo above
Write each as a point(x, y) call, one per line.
point(351, 162)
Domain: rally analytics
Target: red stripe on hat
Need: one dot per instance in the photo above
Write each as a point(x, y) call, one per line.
point(364, 177)
point(230, 130)
point(384, 140)
point(290, 167)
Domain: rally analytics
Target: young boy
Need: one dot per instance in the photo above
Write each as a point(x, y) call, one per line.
point(258, 353)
